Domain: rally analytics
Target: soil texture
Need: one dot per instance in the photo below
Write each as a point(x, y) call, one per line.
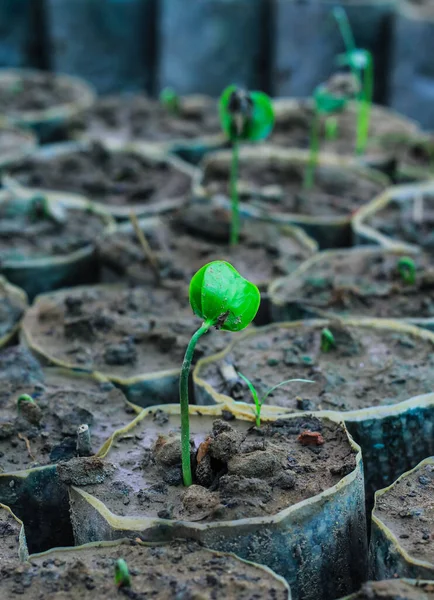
point(9, 538)
point(115, 178)
point(34, 92)
point(367, 367)
point(45, 432)
point(407, 510)
point(239, 471)
point(395, 590)
point(11, 141)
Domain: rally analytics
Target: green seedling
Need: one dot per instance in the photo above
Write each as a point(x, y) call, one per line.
point(28, 409)
point(327, 340)
point(325, 103)
point(331, 128)
point(260, 401)
point(170, 100)
point(223, 299)
point(244, 116)
point(24, 399)
point(122, 574)
point(407, 270)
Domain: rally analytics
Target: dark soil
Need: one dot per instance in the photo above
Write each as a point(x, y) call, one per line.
point(367, 367)
point(407, 510)
point(9, 538)
point(181, 570)
point(138, 117)
point(34, 92)
point(120, 332)
point(113, 178)
point(239, 471)
point(185, 242)
point(395, 590)
point(27, 232)
point(277, 186)
point(11, 310)
point(411, 222)
point(364, 284)
point(45, 433)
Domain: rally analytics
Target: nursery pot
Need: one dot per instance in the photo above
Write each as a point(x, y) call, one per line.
point(13, 303)
point(205, 46)
point(104, 25)
point(52, 121)
point(307, 41)
point(402, 520)
point(13, 545)
point(270, 188)
point(400, 217)
point(309, 543)
point(358, 282)
point(157, 568)
point(392, 425)
point(15, 144)
point(51, 270)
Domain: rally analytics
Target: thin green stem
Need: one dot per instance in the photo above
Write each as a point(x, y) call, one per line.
point(309, 173)
point(235, 228)
point(364, 109)
point(345, 28)
point(183, 397)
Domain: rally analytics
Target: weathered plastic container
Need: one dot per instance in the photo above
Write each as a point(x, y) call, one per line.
point(17, 300)
point(310, 544)
point(12, 550)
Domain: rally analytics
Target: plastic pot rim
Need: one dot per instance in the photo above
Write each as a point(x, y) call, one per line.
point(21, 297)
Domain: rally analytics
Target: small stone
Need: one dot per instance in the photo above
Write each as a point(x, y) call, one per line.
point(256, 464)
point(124, 353)
point(167, 451)
point(285, 480)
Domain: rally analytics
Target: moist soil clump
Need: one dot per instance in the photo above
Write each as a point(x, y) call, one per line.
point(10, 531)
point(239, 471)
point(128, 118)
point(114, 178)
point(33, 232)
point(179, 570)
point(407, 511)
point(33, 435)
point(367, 367)
point(119, 332)
point(365, 284)
point(395, 590)
point(34, 92)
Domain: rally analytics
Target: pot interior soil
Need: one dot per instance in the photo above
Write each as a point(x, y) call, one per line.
point(28, 229)
point(34, 92)
point(184, 242)
point(368, 367)
point(11, 309)
point(115, 178)
point(10, 531)
point(408, 512)
point(410, 221)
point(276, 185)
point(395, 590)
point(239, 471)
point(364, 284)
point(46, 433)
point(179, 570)
point(119, 332)
point(138, 117)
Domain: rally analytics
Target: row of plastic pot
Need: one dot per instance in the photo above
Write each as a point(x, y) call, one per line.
point(289, 495)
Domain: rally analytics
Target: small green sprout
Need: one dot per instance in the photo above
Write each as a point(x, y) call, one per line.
point(260, 401)
point(225, 300)
point(170, 100)
point(244, 116)
point(327, 340)
point(28, 409)
point(122, 574)
point(407, 270)
point(24, 399)
point(331, 128)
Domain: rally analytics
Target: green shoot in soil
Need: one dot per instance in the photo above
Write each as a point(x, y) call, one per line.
point(331, 128)
point(244, 116)
point(225, 300)
point(23, 399)
point(327, 340)
point(122, 574)
point(407, 270)
point(260, 401)
point(170, 100)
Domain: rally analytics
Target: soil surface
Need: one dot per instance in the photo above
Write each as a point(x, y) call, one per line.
point(183, 243)
point(277, 186)
point(34, 92)
point(138, 117)
point(12, 141)
point(181, 570)
point(367, 284)
point(395, 590)
point(239, 471)
point(27, 231)
point(407, 509)
point(120, 332)
point(111, 177)
point(367, 367)
point(9, 538)
point(46, 432)
point(411, 221)
point(11, 310)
